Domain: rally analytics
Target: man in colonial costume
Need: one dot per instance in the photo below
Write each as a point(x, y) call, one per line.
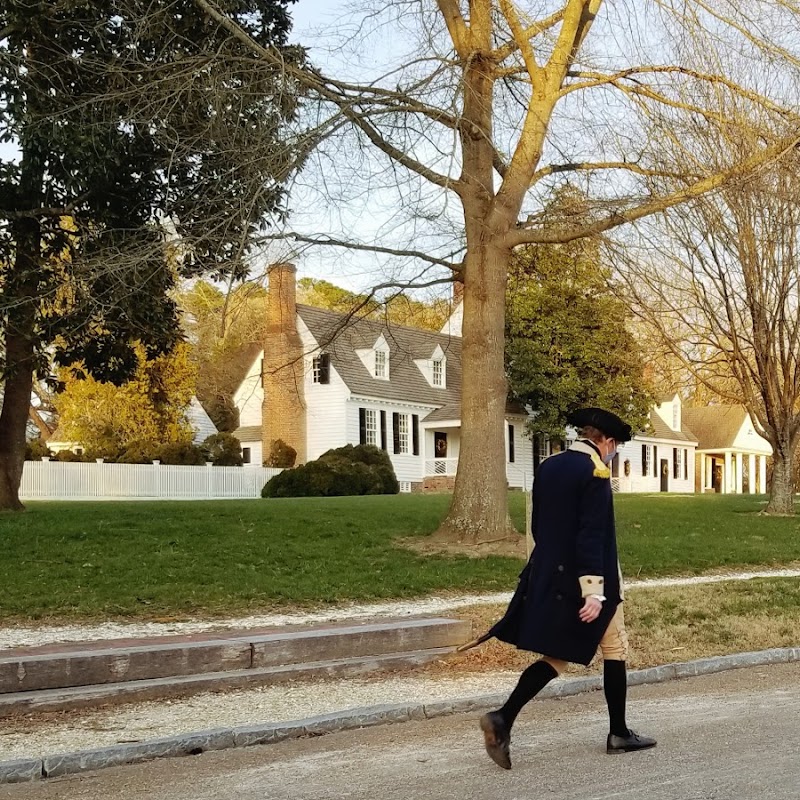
point(569, 598)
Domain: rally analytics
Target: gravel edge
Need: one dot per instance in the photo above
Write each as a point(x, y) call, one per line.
point(22, 770)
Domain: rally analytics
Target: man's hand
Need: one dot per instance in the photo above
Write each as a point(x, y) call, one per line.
point(591, 609)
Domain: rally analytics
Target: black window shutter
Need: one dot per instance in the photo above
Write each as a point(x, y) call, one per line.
point(655, 461)
point(675, 462)
point(362, 425)
point(395, 432)
point(685, 464)
point(415, 432)
point(383, 430)
point(511, 453)
point(325, 368)
point(644, 460)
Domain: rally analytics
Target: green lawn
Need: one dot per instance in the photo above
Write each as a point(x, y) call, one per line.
point(692, 534)
point(69, 561)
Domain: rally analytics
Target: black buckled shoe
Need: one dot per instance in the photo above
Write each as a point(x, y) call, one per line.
point(496, 738)
point(628, 744)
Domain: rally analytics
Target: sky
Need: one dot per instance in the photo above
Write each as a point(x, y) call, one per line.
point(318, 26)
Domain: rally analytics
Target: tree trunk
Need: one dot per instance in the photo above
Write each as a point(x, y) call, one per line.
point(14, 419)
point(781, 489)
point(20, 352)
point(479, 511)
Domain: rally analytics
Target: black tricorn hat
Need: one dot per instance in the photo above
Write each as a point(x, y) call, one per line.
point(605, 421)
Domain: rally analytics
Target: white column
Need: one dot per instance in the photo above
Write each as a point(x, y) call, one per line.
point(751, 473)
point(726, 474)
point(762, 474)
point(739, 463)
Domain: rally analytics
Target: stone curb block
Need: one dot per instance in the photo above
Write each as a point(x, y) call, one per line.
point(22, 770)
point(462, 705)
point(181, 745)
point(269, 733)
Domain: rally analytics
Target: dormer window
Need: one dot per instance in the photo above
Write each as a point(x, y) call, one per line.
point(434, 368)
point(438, 372)
point(376, 358)
point(380, 364)
point(321, 368)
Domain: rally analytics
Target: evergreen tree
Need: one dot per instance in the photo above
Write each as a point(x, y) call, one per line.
point(150, 146)
point(567, 342)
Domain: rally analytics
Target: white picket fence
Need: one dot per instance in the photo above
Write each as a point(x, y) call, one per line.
point(55, 480)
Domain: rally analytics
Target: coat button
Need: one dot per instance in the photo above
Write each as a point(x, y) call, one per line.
point(559, 597)
point(560, 567)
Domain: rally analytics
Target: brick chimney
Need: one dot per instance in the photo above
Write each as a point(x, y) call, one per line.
point(283, 412)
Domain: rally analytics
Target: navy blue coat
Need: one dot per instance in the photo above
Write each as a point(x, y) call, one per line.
point(574, 535)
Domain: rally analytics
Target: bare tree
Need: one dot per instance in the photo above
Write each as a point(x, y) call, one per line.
point(499, 101)
point(725, 271)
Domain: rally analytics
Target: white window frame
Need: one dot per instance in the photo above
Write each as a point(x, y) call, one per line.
point(316, 362)
point(371, 431)
point(404, 433)
point(544, 448)
point(438, 372)
point(648, 459)
point(381, 364)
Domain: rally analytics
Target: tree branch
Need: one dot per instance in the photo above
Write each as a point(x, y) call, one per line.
point(588, 166)
point(769, 154)
point(314, 80)
point(330, 242)
point(536, 28)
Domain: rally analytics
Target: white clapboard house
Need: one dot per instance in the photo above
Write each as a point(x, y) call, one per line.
point(324, 380)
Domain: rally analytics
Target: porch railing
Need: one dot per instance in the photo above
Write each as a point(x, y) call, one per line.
point(441, 466)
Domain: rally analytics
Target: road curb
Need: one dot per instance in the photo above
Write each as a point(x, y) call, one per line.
point(24, 770)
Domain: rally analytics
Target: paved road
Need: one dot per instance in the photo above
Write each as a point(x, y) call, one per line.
point(733, 736)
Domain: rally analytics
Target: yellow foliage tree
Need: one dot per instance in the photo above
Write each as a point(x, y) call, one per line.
point(151, 407)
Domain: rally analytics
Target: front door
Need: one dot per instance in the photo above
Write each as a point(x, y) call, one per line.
point(664, 475)
point(440, 444)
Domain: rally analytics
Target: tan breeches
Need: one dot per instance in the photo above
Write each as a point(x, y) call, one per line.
point(613, 645)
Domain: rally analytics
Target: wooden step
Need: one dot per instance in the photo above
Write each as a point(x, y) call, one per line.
point(75, 697)
point(118, 661)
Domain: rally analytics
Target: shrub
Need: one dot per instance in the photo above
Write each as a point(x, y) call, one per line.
point(68, 455)
point(223, 449)
point(181, 454)
point(281, 455)
point(348, 470)
point(141, 451)
point(110, 452)
point(36, 449)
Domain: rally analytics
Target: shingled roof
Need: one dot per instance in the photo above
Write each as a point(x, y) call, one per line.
point(660, 430)
point(341, 337)
point(715, 426)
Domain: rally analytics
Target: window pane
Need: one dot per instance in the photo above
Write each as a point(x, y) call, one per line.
point(403, 433)
point(380, 364)
point(371, 426)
